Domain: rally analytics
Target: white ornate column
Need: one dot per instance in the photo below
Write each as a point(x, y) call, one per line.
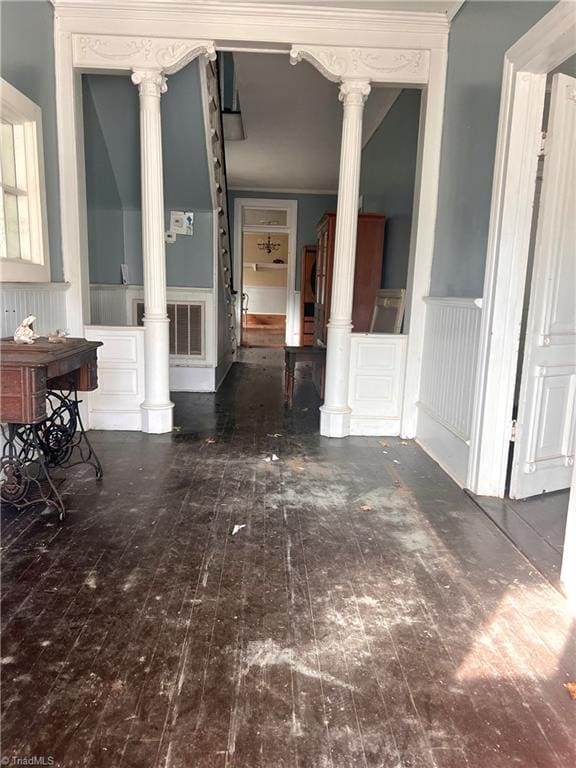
point(156, 408)
point(335, 413)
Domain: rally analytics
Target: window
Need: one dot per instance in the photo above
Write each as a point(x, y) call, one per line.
point(271, 217)
point(23, 226)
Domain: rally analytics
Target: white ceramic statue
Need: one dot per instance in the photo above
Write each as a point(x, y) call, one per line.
point(25, 334)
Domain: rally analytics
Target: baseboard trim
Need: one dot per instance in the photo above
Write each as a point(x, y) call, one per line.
point(371, 426)
point(447, 449)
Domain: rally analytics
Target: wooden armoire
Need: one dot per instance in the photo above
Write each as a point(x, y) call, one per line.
point(367, 273)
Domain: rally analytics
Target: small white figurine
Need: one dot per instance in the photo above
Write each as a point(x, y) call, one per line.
point(25, 334)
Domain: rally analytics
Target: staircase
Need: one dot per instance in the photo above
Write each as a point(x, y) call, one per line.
point(226, 296)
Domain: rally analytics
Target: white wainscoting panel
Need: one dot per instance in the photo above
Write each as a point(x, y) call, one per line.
point(447, 389)
point(377, 366)
point(115, 405)
point(108, 304)
point(47, 301)
point(266, 299)
point(115, 305)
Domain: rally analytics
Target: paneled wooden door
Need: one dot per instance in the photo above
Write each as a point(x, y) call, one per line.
point(546, 424)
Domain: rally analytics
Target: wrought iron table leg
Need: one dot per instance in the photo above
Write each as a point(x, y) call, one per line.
point(62, 435)
point(24, 471)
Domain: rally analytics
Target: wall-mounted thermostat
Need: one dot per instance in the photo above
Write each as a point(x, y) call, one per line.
point(182, 222)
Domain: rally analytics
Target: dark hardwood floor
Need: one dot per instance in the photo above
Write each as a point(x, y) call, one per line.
point(366, 613)
point(535, 525)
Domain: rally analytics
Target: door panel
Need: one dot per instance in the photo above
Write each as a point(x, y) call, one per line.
point(546, 424)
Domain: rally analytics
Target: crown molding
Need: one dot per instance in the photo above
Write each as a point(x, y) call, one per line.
point(260, 13)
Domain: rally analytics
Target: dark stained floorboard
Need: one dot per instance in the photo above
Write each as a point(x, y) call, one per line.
point(367, 614)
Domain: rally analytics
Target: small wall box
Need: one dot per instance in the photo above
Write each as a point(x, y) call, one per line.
point(170, 237)
point(182, 222)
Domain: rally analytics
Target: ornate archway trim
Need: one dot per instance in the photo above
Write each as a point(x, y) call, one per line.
point(378, 65)
point(168, 54)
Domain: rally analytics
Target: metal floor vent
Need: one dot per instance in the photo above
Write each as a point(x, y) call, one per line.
point(186, 327)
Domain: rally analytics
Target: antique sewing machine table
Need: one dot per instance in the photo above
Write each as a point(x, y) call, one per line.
point(40, 417)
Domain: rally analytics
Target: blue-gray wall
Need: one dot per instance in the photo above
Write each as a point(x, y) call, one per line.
point(27, 63)
point(387, 182)
point(112, 141)
point(481, 34)
point(311, 208)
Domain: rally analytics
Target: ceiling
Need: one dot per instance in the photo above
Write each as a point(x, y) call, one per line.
point(293, 121)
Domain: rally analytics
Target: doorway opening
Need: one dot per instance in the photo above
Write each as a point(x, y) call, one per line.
point(264, 238)
point(541, 453)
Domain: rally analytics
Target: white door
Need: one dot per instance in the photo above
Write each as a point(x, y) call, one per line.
point(546, 422)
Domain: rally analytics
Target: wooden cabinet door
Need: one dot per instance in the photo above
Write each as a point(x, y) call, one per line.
point(368, 271)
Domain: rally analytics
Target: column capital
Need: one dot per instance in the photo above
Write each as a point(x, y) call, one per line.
point(354, 92)
point(150, 82)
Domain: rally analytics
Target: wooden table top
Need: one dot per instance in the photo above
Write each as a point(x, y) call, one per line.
point(43, 352)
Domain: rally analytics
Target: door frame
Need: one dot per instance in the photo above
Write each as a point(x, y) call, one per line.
point(397, 49)
point(292, 295)
point(526, 65)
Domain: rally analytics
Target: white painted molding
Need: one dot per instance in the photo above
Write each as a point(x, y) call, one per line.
point(47, 301)
point(422, 233)
point(71, 170)
point(115, 405)
point(284, 191)
point(548, 43)
point(447, 448)
point(4, 287)
point(292, 308)
point(453, 301)
point(371, 64)
point(245, 17)
point(254, 26)
point(18, 109)
point(449, 364)
point(376, 384)
point(124, 52)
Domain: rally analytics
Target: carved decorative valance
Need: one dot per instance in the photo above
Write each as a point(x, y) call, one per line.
point(377, 65)
point(121, 52)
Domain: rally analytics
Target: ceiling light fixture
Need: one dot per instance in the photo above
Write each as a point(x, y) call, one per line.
point(267, 245)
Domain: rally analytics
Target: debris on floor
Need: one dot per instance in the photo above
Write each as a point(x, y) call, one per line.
point(276, 434)
point(271, 458)
point(366, 508)
point(238, 528)
point(571, 688)
point(210, 440)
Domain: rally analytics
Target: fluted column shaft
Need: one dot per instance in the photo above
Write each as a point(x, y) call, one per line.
point(335, 413)
point(156, 408)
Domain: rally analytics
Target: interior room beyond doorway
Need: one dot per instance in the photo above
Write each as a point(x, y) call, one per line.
point(264, 283)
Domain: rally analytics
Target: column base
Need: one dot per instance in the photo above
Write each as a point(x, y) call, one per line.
point(335, 422)
point(157, 419)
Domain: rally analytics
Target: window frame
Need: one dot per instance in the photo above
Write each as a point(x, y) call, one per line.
point(16, 108)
